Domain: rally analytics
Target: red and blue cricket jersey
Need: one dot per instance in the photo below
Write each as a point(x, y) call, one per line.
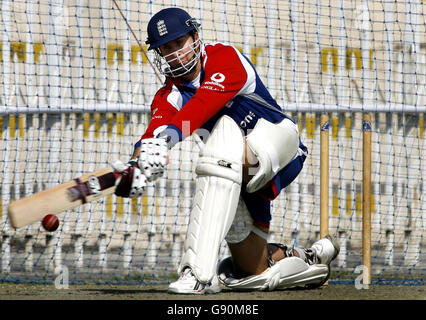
point(228, 84)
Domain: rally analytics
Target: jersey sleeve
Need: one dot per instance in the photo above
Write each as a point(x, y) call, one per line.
point(162, 112)
point(224, 77)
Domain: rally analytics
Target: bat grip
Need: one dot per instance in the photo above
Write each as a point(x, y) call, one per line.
point(81, 190)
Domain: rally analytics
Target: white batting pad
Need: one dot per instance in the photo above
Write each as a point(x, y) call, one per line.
point(274, 145)
point(218, 186)
point(286, 273)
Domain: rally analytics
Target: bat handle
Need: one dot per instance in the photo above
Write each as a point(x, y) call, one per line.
point(117, 175)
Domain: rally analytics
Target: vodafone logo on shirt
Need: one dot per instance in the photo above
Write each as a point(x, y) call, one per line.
point(218, 77)
point(215, 83)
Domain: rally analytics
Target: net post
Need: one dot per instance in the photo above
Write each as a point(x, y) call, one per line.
point(324, 174)
point(366, 202)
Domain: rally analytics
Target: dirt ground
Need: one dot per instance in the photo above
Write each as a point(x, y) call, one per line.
point(11, 291)
point(153, 301)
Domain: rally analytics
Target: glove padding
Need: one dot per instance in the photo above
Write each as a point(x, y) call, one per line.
point(132, 182)
point(153, 158)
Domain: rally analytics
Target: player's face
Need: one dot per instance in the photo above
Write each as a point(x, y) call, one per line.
point(181, 54)
point(181, 48)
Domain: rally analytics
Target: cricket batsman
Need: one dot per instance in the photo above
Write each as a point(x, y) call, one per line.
point(251, 152)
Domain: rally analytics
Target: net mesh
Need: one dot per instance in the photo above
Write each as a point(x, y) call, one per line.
point(75, 95)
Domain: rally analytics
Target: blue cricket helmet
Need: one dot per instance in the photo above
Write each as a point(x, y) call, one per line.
point(167, 25)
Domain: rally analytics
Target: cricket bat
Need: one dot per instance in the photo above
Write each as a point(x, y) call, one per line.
point(87, 188)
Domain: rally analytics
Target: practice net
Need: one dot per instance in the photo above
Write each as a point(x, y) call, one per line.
point(75, 96)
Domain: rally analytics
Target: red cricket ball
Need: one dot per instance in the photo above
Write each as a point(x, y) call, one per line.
point(50, 222)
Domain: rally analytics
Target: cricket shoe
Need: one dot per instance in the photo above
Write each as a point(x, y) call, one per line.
point(323, 251)
point(189, 284)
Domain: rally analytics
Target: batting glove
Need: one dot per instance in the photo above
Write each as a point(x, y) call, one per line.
point(132, 182)
point(153, 158)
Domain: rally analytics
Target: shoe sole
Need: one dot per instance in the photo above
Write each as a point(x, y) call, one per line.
point(207, 291)
point(181, 292)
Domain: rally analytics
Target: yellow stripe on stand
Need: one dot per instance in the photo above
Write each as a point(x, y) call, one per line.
point(119, 206)
point(145, 205)
point(86, 124)
point(310, 126)
point(335, 201)
point(348, 202)
point(358, 202)
point(348, 125)
point(15, 124)
point(110, 124)
point(335, 205)
point(108, 207)
point(12, 125)
point(334, 127)
point(21, 125)
point(120, 124)
point(97, 119)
